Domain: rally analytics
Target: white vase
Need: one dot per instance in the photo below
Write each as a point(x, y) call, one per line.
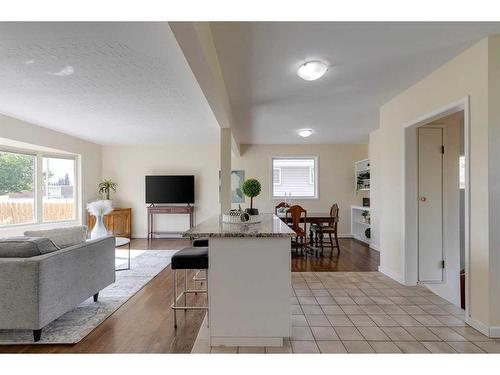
point(99, 229)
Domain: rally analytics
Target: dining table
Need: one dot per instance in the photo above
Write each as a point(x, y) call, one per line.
point(318, 218)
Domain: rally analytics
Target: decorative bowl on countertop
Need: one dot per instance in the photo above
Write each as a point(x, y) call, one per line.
point(240, 217)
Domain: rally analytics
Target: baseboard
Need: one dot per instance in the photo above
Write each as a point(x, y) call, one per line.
point(481, 327)
point(393, 275)
point(345, 236)
point(494, 332)
point(375, 247)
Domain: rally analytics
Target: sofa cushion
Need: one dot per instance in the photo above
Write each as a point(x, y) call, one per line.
point(25, 247)
point(62, 237)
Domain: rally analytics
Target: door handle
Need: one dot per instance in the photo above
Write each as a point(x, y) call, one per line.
point(423, 199)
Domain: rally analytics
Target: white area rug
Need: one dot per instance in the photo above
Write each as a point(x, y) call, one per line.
point(78, 323)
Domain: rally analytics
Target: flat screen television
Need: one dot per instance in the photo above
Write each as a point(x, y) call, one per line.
point(169, 189)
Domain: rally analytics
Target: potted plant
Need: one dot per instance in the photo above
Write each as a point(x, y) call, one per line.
point(366, 216)
point(106, 187)
point(251, 188)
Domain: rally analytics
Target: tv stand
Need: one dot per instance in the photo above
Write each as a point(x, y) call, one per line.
point(166, 210)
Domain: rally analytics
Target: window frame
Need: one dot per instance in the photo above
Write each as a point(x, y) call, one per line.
point(38, 182)
point(279, 174)
point(316, 176)
point(75, 191)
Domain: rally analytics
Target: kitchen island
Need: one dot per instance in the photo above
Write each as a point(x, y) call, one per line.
point(249, 281)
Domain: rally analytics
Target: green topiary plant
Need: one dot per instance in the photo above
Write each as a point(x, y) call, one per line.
point(251, 188)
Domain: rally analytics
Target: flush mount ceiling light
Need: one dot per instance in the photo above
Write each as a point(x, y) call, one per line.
point(64, 72)
point(304, 133)
point(312, 70)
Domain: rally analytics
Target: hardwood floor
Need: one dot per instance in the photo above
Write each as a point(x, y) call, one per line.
point(144, 324)
point(355, 256)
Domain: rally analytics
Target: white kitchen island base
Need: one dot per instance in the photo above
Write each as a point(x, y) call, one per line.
point(249, 281)
point(249, 291)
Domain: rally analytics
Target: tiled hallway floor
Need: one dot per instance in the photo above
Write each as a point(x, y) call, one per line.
point(367, 312)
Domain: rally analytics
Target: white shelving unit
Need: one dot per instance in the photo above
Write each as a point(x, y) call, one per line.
point(358, 223)
point(361, 171)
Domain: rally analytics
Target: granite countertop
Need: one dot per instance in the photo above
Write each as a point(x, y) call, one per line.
point(269, 226)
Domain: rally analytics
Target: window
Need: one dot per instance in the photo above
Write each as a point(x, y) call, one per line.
point(58, 189)
point(297, 177)
point(36, 188)
point(17, 188)
point(277, 176)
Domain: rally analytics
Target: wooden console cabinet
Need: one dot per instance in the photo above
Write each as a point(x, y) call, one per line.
point(118, 222)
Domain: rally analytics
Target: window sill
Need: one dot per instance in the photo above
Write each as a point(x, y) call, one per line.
point(294, 198)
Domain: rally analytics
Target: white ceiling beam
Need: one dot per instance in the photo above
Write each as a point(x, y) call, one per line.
point(197, 44)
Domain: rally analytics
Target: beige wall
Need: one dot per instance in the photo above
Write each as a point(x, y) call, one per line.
point(91, 157)
point(127, 165)
point(465, 75)
point(336, 175)
point(494, 176)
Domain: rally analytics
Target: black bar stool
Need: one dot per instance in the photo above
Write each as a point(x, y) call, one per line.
point(189, 258)
point(199, 242)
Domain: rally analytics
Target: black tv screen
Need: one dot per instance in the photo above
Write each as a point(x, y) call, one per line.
point(169, 189)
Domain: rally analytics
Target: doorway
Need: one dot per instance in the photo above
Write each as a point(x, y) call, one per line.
point(431, 220)
point(435, 181)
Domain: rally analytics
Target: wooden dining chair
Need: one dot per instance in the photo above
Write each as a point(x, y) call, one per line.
point(280, 205)
point(330, 229)
point(293, 217)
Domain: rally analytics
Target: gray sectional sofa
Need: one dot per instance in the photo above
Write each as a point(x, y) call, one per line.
point(49, 273)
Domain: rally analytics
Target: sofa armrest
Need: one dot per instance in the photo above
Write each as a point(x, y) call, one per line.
point(18, 293)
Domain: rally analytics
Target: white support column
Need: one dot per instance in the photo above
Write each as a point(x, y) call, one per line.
point(225, 169)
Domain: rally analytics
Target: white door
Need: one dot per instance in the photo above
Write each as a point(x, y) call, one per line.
point(430, 204)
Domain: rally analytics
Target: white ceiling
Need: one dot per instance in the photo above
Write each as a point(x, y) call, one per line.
point(370, 64)
point(130, 84)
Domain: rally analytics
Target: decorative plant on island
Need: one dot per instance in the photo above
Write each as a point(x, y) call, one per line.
point(251, 188)
point(99, 209)
point(106, 187)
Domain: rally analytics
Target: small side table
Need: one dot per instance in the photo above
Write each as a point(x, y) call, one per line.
point(120, 242)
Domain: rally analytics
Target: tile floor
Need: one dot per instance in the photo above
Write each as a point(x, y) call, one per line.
point(367, 312)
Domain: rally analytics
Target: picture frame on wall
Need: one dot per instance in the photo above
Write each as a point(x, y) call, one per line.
point(237, 178)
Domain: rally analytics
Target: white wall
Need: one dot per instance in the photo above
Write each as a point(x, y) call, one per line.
point(32, 135)
point(127, 165)
point(335, 174)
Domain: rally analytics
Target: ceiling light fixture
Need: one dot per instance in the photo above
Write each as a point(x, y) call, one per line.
point(304, 133)
point(312, 70)
point(64, 72)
